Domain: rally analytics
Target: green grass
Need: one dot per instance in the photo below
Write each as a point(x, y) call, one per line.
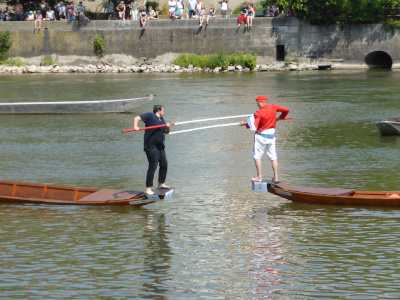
point(212, 61)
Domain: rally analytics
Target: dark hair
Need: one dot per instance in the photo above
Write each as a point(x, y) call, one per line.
point(157, 108)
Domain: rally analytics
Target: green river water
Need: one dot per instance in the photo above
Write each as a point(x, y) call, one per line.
point(216, 239)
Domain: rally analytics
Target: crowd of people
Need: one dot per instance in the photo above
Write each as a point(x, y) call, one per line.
point(135, 11)
point(62, 11)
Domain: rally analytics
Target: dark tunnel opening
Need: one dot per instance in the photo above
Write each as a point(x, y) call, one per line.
point(378, 60)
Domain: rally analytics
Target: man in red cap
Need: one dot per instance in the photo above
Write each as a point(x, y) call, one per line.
point(264, 139)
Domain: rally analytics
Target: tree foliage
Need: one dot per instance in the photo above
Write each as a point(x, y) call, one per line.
point(30, 4)
point(340, 11)
point(5, 44)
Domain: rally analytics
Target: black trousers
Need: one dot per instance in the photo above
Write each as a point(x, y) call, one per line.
point(156, 157)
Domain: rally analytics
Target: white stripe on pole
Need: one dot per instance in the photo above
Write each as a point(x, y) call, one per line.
point(212, 119)
point(206, 127)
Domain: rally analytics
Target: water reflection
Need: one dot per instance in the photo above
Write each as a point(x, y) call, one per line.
point(267, 255)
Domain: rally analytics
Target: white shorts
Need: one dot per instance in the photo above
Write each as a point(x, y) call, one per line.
point(262, 145)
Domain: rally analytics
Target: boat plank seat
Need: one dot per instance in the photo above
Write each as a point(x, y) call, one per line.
point(394, 118)
point(310, 190)
point(109, 195)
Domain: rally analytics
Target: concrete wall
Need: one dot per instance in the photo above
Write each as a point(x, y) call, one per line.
point(301, 41)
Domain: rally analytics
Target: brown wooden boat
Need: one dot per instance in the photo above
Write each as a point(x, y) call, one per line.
point(348, 197)
point(36, 193)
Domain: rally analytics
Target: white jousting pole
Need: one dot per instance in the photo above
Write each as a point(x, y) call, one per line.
point(187, 122)
point(205, 127)
point(212, 119)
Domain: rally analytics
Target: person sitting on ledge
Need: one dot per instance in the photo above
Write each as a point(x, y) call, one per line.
point(177, 13)
point(62, 13)
point(212, 13)
point(31, 16)
point(243, 16)
point(269, 11)
point(202, 16)
point(143, 17)
point(153, 15)
point(38, 19)
point(275, 9)
point(49, 15)
point(289, 12)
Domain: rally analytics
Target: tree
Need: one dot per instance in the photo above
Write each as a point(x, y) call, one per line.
point(339, 11)
point(30, 4)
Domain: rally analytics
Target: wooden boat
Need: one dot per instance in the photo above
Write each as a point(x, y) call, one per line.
point(347, 197)
point(390, 127)
point(74, 107)
point(36, 193)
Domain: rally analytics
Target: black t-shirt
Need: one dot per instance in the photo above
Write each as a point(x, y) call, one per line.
point(243, 10)
point(153, 138)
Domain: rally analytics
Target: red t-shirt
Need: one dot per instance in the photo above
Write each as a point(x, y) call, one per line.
point(265, 117)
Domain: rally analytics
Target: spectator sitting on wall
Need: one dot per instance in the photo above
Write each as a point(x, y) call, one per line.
point(192, 8)
point(30, 17)
point(49, 15)
point(38, 19)
point(62, 11)
point(171, 4)
point(269, 11)
point(275, 9)
point(109, 9)
point(143, 17)
point(177, 13)
point(26, 14)
point(243, 16)
point(18, 15)
point(289, 12)
point(250, 14)
point(224, 8)
point(202, 16)
point(80, 11)
point(153, 15)
point(212, 14)
point(2, 16)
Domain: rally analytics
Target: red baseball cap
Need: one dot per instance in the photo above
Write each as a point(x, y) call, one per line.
point(261, 99)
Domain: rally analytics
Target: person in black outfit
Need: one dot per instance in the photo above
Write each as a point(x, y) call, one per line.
point(154, 146)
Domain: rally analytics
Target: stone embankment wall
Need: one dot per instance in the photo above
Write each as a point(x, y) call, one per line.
point(273, 38)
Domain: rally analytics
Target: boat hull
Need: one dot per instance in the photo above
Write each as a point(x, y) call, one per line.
point(34, 193)
point(74, 107)
point(389, 128)
point(335, 196)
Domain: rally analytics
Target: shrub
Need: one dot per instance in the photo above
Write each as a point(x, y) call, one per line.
point(98, 45)
point(153, 4)
point(165, 9)
point(5, 44)
point(48, 60)
point(212, 61)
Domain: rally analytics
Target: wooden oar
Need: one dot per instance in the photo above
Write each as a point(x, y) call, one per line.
point(185, 122)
